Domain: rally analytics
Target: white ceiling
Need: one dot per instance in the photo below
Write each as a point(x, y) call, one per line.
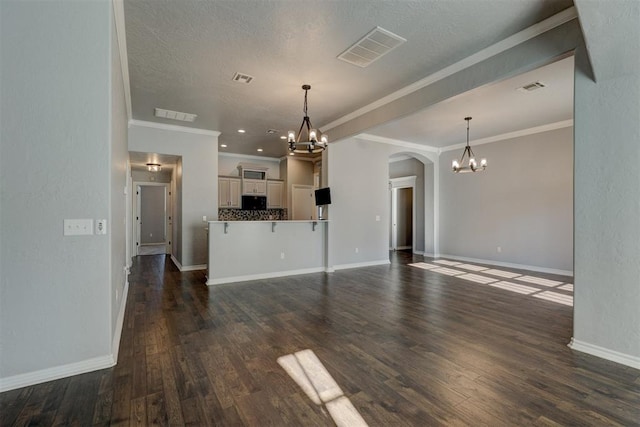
point(183, 54)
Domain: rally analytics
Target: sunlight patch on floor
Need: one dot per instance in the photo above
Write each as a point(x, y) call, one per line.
point(514, 287)
point(508, 286)
point(309, 373)
point(424, 265)
point(539, 281)
point(478, 278)
point(501, 273)
point(448, 271)
point(445, 262)
point(471, 267)
point(555, 297)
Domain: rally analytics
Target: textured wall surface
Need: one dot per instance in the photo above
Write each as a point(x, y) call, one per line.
point(55, 293)
point(607, 194)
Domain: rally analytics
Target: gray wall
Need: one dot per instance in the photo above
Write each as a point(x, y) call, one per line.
point(152, 214)
point(146, 176)
point(424, 216)
point(228, 165)
point(522, 202)
point(119, 170)
point(607, 194)
point(56, 291)
point(197, 182)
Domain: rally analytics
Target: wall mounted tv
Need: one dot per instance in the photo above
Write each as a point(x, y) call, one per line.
point(323, 196)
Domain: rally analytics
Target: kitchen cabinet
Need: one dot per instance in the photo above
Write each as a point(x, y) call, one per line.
point(229, 192)
point(275, 190)
point(254, 187)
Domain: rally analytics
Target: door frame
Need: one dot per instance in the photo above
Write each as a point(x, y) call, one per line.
point(135, 219)
point(395, 184)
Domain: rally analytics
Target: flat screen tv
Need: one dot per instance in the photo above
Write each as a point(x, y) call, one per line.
point(323, 196)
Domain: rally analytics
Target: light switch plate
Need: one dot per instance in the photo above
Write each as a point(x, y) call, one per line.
point(78, 227)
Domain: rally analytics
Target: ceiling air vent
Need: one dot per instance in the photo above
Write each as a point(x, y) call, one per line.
point(174, 115)
point(371, 47)
point(531, 87)
point(242, 78)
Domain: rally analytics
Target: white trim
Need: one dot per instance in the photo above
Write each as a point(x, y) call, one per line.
point(511, 135)
point(261, 276)
point(361, 264)
point(249, 156)
point(55, 373)
point(419, 253)
point(194, 267)
point(509, 265)
point(404, 248)
point(175, 128)
point(176, 262)
point(397, 142)
point(495, 49)
point(605, 353)
point(403, 181)
point(115, 345)
point(399, 158)
point(118, 16)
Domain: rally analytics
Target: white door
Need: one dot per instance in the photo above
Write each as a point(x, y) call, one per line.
point(302, 203)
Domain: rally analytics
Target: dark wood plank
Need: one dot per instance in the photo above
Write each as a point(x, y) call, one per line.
point(405, 345)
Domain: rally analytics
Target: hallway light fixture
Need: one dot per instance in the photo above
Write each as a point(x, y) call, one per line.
point(154, 167)
point(307, 140)
point(472, 164)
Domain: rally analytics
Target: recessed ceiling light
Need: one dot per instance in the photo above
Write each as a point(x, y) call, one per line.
point(223, 145)
point(260, 150)
point(283, 137)
point(241, 131)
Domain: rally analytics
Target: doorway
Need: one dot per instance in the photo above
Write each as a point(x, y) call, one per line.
point(152, 219)
point(402, 228)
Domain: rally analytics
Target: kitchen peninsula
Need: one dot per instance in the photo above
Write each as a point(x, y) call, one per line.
point(254, 237)
point(251, 250)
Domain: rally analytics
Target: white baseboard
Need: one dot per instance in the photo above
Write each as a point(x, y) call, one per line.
point(261, 276)
point(194, 267)
point(509, 265)
point(402, 248)
point(115, 345)
point(187, 267)
point(605, 353)
point(50, 374)
point(419, 253)
point(361, 264)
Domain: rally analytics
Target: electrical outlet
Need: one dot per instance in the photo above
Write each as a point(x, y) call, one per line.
point(204, 218)
point(377, 217)
point(357, 250)
point(281, 255)
point(499, 249)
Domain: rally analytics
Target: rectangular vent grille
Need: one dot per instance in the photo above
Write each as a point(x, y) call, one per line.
point(371, 47)
point(175, 115)
point(242, 78)
point(531, 87)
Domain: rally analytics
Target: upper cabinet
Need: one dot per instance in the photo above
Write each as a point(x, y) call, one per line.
point(275, 191)
point(229, 192)
point(254, 179)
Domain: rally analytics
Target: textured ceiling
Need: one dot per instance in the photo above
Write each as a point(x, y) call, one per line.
point(183, 54)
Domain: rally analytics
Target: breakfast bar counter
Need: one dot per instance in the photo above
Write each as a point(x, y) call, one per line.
point(251, 250)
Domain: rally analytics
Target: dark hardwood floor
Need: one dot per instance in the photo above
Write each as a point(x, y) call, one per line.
point(407, 347)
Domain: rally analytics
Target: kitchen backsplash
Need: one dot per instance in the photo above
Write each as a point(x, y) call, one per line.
point(252, 215)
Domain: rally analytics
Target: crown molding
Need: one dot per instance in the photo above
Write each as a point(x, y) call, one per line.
point(174, 128)
point(249, 156)
point(511, 135)
point(118, 16)
point(495, 49)
point(397, 142)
